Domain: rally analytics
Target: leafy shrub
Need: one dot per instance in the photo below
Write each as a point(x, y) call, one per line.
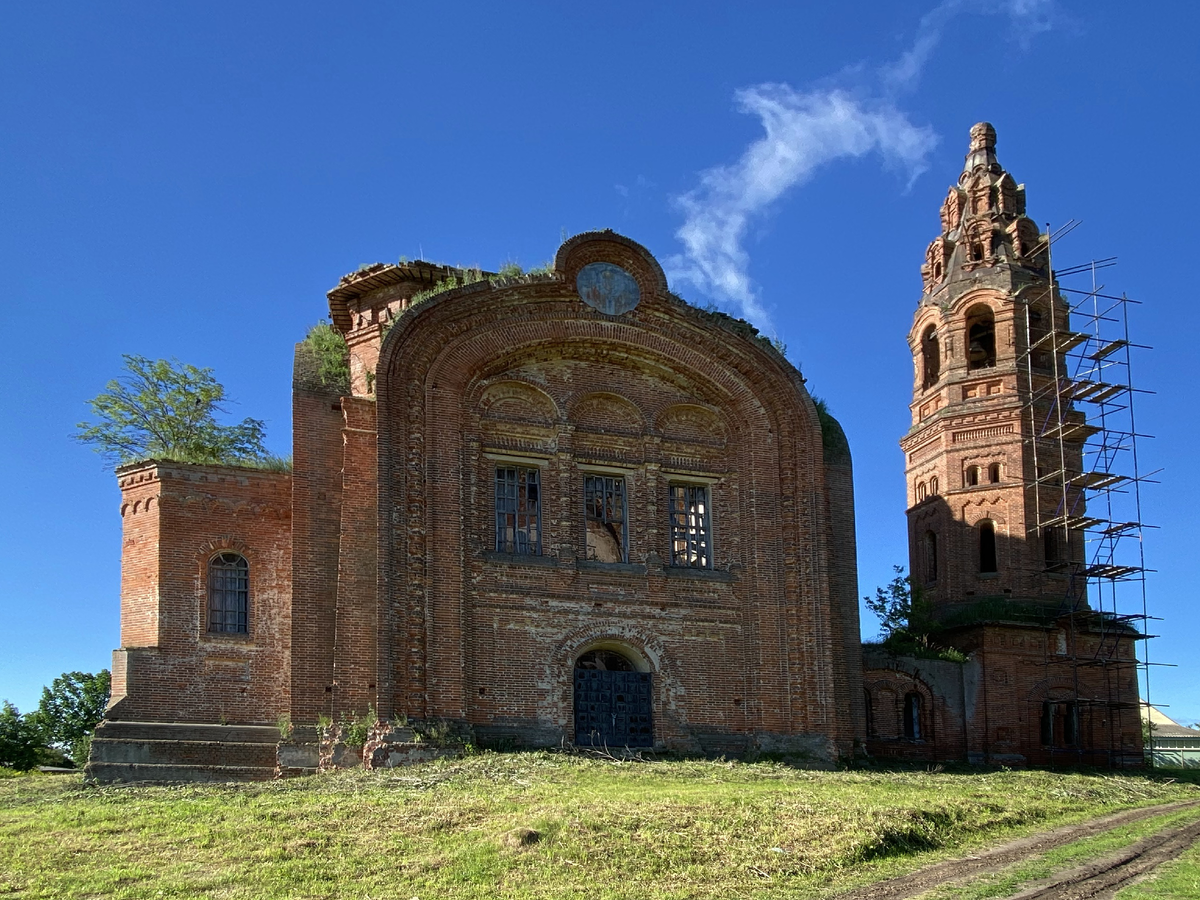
point(356, 728)
point(332, 356)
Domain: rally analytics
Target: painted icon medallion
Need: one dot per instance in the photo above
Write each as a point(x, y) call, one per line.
point(607, 288)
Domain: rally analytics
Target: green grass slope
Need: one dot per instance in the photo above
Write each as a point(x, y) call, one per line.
point(457, 829)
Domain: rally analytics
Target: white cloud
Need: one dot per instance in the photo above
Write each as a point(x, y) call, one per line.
point(803, 131)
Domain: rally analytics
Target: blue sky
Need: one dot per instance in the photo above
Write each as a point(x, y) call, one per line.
point(188, 181)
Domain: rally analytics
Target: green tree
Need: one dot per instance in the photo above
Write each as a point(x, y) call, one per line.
point(70, 710)
point(893, 605)
point(162, 409)
point(906, 624)
point(21, 739)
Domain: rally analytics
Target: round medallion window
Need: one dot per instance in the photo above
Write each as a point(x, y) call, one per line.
point(607, 288)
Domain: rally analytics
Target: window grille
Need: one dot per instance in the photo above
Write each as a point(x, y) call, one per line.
point(691, 543)
point(518, 511)
point(604, 506)
point(228, 593)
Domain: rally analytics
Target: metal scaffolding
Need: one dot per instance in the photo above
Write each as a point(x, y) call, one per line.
point(1084, 483)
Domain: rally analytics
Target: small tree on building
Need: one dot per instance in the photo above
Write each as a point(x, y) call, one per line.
point(162, 409)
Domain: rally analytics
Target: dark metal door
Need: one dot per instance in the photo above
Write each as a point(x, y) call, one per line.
point(612, 709)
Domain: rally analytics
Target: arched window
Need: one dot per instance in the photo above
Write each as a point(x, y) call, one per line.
point(869, 713)
point(933, 486)
point(912, 716)
point(994, 473)
point(931, 556)
point(987, 547)
point(228, 593)
point(981, 338)
point(1039, 327)
point(1050, 546)
point(972, 476)
point(921, 491)
point(930, 357)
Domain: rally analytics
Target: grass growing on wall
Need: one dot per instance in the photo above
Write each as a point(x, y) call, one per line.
point(528, 825)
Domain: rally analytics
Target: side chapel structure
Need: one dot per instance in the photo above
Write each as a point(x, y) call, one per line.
point(571, 508)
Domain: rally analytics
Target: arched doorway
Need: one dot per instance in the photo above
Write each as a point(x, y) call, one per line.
point(612, 701)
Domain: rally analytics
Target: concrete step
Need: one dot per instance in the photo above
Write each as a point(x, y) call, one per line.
point(181, 752)
point(109, 772)
point(187, 731)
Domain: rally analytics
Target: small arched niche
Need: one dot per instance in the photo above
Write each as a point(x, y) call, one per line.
point(691, 423)
point(607, 412)
point(516, 400)
point(981, 337)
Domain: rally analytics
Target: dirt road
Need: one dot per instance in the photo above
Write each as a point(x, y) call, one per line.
point(1099, 879)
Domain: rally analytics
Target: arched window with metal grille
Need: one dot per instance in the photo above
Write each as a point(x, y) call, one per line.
point(228, 593)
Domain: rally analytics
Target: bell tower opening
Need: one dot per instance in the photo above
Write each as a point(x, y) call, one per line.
point(931, 358)
point(981, 338)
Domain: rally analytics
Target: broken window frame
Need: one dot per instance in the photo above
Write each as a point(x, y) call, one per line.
point(518, 510)
point(606, 501)
point(691, 525)
point(228, 590)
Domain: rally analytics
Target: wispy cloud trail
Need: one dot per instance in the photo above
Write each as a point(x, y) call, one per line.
point(804, 130)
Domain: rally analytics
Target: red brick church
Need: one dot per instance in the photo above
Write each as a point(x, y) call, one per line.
point(571, 508)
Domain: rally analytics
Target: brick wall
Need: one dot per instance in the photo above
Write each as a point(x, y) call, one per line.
point(317, 450)
point(170, 667)
point(525, 373)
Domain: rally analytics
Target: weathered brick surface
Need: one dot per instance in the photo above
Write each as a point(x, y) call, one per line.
point(373, 567)
point(170, 667)
point(664, 393)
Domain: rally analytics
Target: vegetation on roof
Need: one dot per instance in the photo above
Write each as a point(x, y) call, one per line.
point(166, 410)
point(329, 355)
point(906, 623)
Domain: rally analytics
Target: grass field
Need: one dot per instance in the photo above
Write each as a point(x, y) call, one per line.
point(457, 829)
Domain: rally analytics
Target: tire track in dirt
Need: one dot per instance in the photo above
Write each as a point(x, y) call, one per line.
point(957, 870)
point(1102, 878)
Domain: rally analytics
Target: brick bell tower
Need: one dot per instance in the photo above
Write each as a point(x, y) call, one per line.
point(994, 463)
point(976, 547)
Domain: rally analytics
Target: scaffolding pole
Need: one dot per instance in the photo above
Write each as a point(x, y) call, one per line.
point(1085, 485)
